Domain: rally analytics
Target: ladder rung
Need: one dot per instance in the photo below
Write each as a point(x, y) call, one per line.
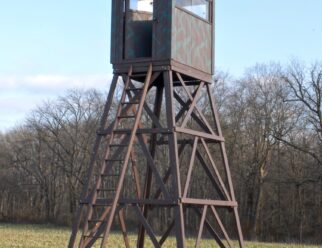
point(131, 102)
point(134, 89)
point(92, 236)
point(114, 160)
point(126, 116)
point(118, 145)
point(107, 190)
point(97, 204)
point(122, 131)
point(110, 175)
point(98, 221)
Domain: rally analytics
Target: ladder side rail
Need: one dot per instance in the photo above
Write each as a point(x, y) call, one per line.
point(90, 172)
point(103, 167)
point(127, 156)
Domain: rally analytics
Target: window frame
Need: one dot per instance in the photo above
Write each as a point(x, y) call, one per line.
point(128, 7)
point(210, 12)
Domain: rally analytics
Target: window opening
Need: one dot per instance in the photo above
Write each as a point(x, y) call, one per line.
point(197, 7)
point(142, 5)
point(138, 29)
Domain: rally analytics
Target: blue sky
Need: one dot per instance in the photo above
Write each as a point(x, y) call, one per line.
point(47, 47)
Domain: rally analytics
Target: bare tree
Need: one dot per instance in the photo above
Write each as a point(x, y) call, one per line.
point(306, 87)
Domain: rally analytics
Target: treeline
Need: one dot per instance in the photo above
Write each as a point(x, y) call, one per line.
point(272, 123)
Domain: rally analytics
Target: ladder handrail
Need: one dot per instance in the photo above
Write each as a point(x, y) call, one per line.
point(127, 157)
point(103, 167)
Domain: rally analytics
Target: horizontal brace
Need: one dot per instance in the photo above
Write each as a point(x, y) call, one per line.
point(119, 69)
point(217, 203)
point(146, 131)
point(187, 141)
point(139, 131)
point(105, 132)
point(185, 201)
point(193, 83)
point(93, 236)
point(187, 82)
point(199, 134)
point(108, 202)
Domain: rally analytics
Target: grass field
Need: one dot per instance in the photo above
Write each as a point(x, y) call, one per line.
point(45, 236)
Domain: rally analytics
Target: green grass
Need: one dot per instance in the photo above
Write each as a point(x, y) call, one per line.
point(46, 236)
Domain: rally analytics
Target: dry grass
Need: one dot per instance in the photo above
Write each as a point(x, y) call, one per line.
point(45, 236)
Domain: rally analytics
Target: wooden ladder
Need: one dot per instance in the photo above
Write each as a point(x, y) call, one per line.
point(114, 167)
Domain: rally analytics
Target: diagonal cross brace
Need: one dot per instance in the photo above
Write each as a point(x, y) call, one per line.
point(153, 167)
point(196, 107)
point(127, 157)
point(192, 106)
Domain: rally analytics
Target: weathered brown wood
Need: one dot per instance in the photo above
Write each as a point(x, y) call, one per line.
point(168, 173)
point(139, 131)
point(98, 183)
point(212, 162)
point(131, 201)
point(227, 170)
point(191, 71)
point(185, 106)
point(183, 141)
point(192, 106)
point(166, 233)
point(217, 203)
point(222, 227)
point(99, 227)
point(211, 230)
point(213, 180)
point(97, 231)
point(153, 168)
point(203, 118)
point(124, 111)
point(239, 229)
point(89, 176)
point(153, 145)
point(89, 240)
point(183, 201)
point(214, 109)
point(126, 159)
point(141, 66)
point(190, 168)
point(136, 175)
point(202, 223)
point(154, 118)
point(199, 134)
point(123, 228)
point(147, 227)
point(174, 159)
point(192, 65)
point(93, 195)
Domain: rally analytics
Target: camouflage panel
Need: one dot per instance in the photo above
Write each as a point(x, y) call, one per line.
point(182, 39)
point(162, 31)
point(116, 32)
point(201, 52)
point(192, 41)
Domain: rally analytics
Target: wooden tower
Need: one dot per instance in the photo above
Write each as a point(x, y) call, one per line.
point(160, 150)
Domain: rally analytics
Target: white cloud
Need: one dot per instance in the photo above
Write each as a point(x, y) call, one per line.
point(20, 95)
point(53, 82)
